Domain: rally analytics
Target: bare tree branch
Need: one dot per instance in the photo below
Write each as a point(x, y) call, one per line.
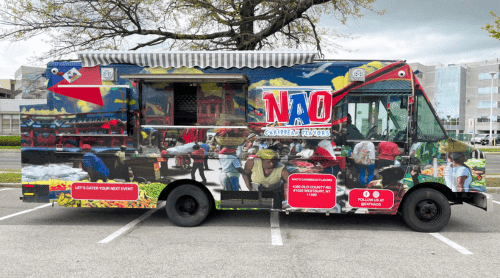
point(73, 25)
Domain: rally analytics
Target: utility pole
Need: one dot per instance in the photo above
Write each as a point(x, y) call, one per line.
point(491, 105)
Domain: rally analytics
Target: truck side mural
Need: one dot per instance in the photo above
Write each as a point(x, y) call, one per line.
point(300, 137)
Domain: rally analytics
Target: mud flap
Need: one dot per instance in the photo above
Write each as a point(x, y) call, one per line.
point(478, 199)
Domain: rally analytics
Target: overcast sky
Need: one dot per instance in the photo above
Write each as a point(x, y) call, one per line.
point(424, 31)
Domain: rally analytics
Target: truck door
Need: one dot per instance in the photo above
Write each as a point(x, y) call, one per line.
point(376, 130)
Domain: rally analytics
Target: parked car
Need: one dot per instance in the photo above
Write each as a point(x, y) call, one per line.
point(482, 139)
point(496, 139)
point(485, 140)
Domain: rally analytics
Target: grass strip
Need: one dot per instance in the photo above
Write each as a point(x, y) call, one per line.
point(10, 147)
point(489, 150)
point(10, 178)
point(492, 182)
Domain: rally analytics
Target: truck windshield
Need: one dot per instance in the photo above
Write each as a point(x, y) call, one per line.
point(377, 117)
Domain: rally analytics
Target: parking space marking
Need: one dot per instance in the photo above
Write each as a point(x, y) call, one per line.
point(459, 248)
point(6, 189)
point(275, 228)
point(496, 202)
point(131, 224)
point(24, 211)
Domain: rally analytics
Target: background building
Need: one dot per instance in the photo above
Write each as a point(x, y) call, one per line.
point(461, 95)
point(480, 87)
point(28, 88)
point(7, 88)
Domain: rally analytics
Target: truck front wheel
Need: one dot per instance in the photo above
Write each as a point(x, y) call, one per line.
point(426, 210)
point(187, 205)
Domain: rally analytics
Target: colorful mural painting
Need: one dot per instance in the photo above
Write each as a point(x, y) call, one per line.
point(292, 138)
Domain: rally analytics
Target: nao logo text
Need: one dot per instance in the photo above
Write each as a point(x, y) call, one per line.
point(298, 109)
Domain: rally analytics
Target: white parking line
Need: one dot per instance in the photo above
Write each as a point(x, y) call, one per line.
point(12, 188)
point(459, 248)
point(24, 211)
point(275, 229)
point(496, 202)
point(131, 224)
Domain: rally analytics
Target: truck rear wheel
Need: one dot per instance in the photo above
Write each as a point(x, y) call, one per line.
point(426, 210)
point(187, 205)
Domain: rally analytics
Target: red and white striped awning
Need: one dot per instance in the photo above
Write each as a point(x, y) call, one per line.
point(202, 59)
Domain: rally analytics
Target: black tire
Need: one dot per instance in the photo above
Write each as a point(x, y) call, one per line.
point(426, 210)
point(188, 205)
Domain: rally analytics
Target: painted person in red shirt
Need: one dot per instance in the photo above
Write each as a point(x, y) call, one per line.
point(198, 155)
point(387, 152)
point(325, 156)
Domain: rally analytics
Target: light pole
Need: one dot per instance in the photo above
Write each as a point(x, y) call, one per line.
point(491, 106)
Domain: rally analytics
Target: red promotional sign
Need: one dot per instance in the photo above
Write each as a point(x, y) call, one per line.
point(105, 191)
point(371, 198)
point(312, 191)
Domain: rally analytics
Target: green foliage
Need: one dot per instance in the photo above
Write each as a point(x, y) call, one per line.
point(10, 140)
point(153, 190)
point(493, 30)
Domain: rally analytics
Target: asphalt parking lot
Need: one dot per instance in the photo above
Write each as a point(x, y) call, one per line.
point(41, 240)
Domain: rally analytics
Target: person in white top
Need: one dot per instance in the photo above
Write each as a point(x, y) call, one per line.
point(295, 147)
point(364, 155)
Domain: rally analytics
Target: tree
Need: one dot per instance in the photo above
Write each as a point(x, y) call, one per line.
point(74, 25)
point(494, 30)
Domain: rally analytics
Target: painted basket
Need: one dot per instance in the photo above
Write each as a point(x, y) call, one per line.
point(230, 141)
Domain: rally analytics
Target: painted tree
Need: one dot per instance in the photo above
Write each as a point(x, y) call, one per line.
point(493, 30)
point(71, 25)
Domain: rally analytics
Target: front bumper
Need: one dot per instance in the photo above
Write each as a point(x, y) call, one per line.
point(478, 199)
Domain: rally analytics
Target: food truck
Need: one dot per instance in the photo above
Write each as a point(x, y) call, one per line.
point(281, 131)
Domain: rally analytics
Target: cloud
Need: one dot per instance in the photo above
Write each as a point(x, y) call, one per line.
point(424, 44)
point(17, 54)
point(421, 31)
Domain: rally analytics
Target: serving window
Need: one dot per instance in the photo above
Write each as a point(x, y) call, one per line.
point(201, 103)
point(193, 104)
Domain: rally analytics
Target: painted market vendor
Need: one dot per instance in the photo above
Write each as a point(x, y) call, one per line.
point(94, 165)
point(266, 173)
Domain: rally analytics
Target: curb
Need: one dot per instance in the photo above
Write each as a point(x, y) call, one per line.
point(13, 185)
point(492, 189)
